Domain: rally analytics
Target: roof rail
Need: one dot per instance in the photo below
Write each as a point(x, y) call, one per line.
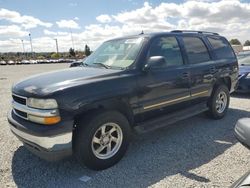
point(193, 31)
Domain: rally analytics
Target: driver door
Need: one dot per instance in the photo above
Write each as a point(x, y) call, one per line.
point(166, 87)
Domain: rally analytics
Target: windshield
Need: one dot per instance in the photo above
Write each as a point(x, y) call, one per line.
point(119, 53)
point(244, 61)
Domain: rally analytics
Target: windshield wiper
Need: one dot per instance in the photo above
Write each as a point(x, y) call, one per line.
point(85, 64)
point(103, 65)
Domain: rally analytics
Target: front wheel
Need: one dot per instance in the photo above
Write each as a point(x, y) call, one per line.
point(101, 141)
point(219, 102)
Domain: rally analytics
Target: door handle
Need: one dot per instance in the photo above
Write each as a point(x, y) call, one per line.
point(185, 75)
point(212, 70)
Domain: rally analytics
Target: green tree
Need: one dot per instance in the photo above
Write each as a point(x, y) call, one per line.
point(235, 42)
point(55, 56)
point(87, 51)
point(72, 52)
point(247, 43)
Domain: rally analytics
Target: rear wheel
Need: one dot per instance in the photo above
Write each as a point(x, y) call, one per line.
point(219, 102)
point(102, 140)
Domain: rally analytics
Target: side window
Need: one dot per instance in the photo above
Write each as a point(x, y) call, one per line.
point(221, 47)
point(196, 50)
point(167, 47)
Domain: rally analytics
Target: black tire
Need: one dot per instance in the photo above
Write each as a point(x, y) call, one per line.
point(85, 131)
point(213, 111)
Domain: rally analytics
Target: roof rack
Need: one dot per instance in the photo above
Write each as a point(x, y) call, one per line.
point(192, 31)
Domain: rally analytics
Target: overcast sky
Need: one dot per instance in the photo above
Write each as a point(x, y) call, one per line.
point(92, 22)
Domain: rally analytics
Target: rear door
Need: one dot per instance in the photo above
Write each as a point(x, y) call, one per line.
point(226, 61)
point(202, 67)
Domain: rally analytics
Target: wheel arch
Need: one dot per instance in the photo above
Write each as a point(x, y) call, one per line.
point(224, 80)
point(118, 104)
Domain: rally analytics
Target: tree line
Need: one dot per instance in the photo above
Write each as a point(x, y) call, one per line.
point(72, 53)
point(87, 51)
point(237, 42)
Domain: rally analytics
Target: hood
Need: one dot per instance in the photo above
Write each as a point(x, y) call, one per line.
point(48, 83)
point(244, 69)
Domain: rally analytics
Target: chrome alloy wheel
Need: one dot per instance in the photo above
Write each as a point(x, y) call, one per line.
point(107, 141)
point(221, 102)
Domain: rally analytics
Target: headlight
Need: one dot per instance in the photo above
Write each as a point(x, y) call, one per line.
point(248, 75)
point(42, 103)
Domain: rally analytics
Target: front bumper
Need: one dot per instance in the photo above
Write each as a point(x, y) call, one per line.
point(49, 147)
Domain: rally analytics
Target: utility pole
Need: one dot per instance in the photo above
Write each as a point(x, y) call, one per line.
point(56, 46)
point(23, 46)
point(72, 39)
point(31, 47)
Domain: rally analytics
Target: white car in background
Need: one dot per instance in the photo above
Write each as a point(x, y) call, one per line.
point(33, 61)
point(25, 62)
point(10, 62)
point(3, 63)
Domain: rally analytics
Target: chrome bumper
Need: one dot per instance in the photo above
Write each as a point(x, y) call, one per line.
point(55, 143)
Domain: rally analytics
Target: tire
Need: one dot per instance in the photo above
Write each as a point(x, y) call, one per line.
point(219, 102)
point(116, 139)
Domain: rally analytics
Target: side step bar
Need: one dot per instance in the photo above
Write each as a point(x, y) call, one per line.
point(171, 118)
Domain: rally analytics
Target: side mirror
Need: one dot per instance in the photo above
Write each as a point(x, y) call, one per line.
point(242, 131)
point(154, 61)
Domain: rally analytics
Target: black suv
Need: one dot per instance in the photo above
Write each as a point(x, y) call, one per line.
point(130, 84)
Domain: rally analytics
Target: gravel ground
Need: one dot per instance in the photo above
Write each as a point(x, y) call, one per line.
point(197, 152)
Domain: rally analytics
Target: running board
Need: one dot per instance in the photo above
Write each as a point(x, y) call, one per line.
point(169, 119)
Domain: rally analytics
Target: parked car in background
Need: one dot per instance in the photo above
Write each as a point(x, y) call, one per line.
point(243, 54)
point(18, 62)
point(45, 61)
point(25, 62)
point(76, 63)
point(33, 61)
point(3, 63)
point(10, 62)
point(244, 75)
point(140, 83)
point(242, 133)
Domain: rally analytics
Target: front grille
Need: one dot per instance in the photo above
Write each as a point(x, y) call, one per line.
point(19, 99)
point(21, 114)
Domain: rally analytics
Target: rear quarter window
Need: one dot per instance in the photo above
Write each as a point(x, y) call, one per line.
point(221, 47)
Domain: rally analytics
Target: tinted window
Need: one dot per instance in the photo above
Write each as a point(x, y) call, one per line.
point(221, 47)
point(167, 47)
point(196, 50)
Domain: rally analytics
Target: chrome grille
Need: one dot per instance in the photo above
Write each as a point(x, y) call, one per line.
point(19, 99)
point(22, 101)
point(21, 114)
